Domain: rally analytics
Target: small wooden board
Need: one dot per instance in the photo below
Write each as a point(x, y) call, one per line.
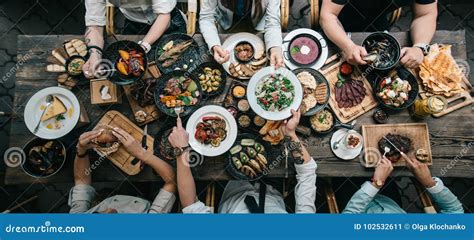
point(346, 115)
point(417, 132)
point(455, 102)
point(151, 111)
point(121, 158)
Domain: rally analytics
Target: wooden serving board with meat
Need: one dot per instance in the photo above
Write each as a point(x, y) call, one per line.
point(121, 158)
point(411, 138)
point(140, 96)
point(351, 94)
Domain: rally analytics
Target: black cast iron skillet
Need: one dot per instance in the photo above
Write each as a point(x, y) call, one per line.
point(404, 74)
point(394, 50)
point(213, 65)
point(336, 124)
point(190, 57)
point(112, 55)
point(320, 79)
point(159, 90)
point(236, 173)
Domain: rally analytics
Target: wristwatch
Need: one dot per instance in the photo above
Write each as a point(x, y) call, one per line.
point(425, 48)
point(177, 151)
point(146, 46)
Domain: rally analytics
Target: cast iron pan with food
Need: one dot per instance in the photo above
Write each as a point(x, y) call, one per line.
point(292, 60)
point(112, 55)
point(187, 59)
point(43, 159)
point(213, 65)
point(336, 124)
point(392, 53)
point(404, 74)
point(236, 173)
point(320, 79)
point(159, 90)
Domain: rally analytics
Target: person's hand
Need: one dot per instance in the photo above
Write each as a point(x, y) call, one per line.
point(131, 144)
point(85, 141)
point(289, 125)
point(411, 57)
point(276, 57)
point(382, 171)
point(179, 137)
point(354, 54)
point(220, 55)
point(90, 67)
point(420, 171)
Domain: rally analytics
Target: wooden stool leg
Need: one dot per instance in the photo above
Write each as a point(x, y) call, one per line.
point(284, 14)
point(109, 13)
point(330, 196)
point(424, 198)
point(192, 13)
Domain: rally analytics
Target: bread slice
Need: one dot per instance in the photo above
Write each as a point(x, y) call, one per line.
point(57, 107)
point(321, 93)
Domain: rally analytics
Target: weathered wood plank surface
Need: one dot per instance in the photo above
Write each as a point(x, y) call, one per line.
point(452, 136)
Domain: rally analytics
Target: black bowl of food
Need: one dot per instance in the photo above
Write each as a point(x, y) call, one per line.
point(244, 51)
point(212, 78)
point(304, 50)
point(325, 121)
point(129, 61)
point(74, 65)
point(248, 159)
point(178, 89)
point(380, 116)
point(396, 90)
point(383, 50)
point(44, 158)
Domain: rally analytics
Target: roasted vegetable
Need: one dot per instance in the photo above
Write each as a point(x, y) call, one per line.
point(247, 142)
point(237, 162)
point(236, 149)
point(244, 158)
point(251, 152)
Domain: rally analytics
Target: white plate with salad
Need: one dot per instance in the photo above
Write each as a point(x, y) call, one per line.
point(273, 93)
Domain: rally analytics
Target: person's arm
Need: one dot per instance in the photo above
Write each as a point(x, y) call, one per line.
point(422, 29)
point(334, 30)
point(186, 187)
point(163, 169)
point(305, 190)
point(442, 196)
point(162, 22)
point(359, 201)
point(272, 33)
point(95, 22)
point(207, 24)
point(82, 194)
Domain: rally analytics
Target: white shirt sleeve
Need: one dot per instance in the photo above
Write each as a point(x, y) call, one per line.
point(163, 6)
point(95, 12)
point(305, 190)
point(207, 23)
point(80, 198)
point(272, 25)
point(197, 207)
point(163, 202)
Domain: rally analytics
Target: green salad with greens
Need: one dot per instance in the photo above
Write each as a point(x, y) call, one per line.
point(275, 93)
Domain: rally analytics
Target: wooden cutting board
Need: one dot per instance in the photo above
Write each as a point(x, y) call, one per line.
point(346, 115)
point(455, 102)
point(121, 158)
point(417, 132)
point(151, 111)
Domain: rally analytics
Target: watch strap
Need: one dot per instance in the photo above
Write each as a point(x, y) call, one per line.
point(146, 46)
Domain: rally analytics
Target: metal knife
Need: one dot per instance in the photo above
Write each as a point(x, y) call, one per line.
point(393, 145)
point(144, 138)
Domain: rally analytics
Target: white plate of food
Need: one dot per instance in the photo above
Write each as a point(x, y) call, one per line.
point(273, 93)
point(212, 130)
point(247, 55)
point(61, 115)
point(346, 144)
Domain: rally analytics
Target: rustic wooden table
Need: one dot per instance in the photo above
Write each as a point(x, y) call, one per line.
point(451, 136)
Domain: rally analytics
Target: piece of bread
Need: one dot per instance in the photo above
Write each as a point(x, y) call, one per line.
point(57, 107)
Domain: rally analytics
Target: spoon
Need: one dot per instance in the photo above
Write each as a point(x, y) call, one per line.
point(49, 100)
point(386, 150)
